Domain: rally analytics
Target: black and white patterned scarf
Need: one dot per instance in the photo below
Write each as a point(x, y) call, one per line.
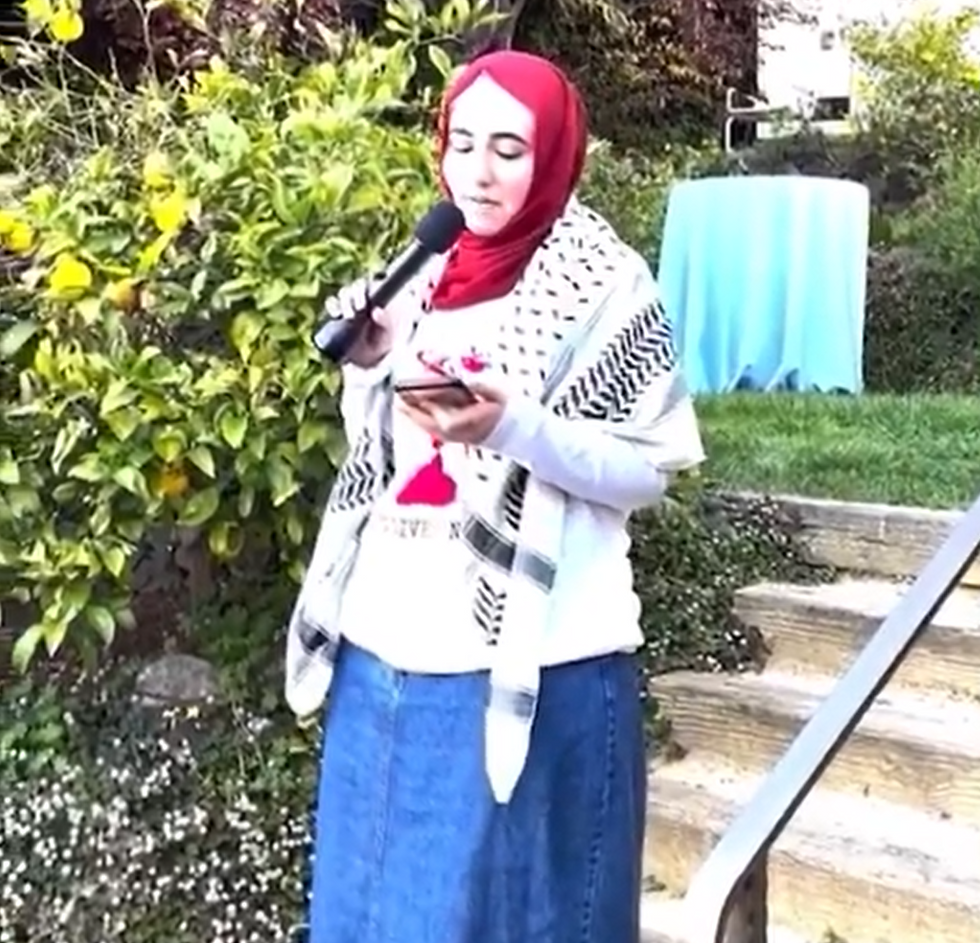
point(614, 363)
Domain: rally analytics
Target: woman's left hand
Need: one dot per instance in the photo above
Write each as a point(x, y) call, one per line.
point(469, 424)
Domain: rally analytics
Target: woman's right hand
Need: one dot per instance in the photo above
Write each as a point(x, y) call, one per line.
point(376, 340)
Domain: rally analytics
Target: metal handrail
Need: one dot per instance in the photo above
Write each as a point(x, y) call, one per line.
point(743, 848)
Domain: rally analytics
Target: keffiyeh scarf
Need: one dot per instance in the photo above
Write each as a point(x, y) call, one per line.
point(611, 359)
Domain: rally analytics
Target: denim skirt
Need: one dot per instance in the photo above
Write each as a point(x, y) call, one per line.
point(410, 846)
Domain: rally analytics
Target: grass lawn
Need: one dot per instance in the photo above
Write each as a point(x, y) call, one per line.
point(921, 450)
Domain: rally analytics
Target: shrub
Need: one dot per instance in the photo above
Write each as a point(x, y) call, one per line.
point(169, 273)
point(924, 294)
point(631, 189)
point(122, 823)
point(646, 83)
point(919, 87)
point(922, 331)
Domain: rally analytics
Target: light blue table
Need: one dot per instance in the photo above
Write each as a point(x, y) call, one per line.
point(764, 281)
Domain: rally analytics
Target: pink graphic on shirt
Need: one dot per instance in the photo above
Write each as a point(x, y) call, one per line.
point(473, 362)
point(430, 484)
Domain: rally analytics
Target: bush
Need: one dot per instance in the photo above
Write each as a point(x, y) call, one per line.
point(631, 191)
point(691, 555)
point(647, 84)
point(922, 331)
point(122, 823)
point(169, 273)
point(919, 88)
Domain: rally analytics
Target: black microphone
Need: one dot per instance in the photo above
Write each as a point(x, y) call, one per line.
point(436, 233)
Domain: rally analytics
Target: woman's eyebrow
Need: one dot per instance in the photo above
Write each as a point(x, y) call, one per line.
point(496, 136)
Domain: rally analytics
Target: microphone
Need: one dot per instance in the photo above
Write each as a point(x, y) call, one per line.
point(436, 233)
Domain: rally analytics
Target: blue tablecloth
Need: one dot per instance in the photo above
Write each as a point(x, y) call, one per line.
point(764, 280)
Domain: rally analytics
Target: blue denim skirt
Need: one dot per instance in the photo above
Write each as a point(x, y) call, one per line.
point(410, 846)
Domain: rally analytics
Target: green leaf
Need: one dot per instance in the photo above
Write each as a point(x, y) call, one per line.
point(201, 507)
point(227, 138)
point(233, 427)
point(114, 559)
point(245, 331)
point(309, 435)
point(9, 472)
point(336, 447)
point(76, 597)
point(16, 337)
point(66, 439)
point(294, 529)
point(131, 480)
point(200, 456)
point(246, 501)
point(118, 395)
point(89, 469)
point(55, 631)
point(25, 647)
point(169, 444)
point(123, 423)
point(101, 619)
point(23, 500)
point(440, 60)
point(282, 481)
point(225, 540)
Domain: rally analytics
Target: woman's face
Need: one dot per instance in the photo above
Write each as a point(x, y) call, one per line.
point(489, 163)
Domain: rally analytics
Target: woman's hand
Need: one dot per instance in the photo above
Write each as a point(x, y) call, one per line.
point(468, 424)
point(377, 338)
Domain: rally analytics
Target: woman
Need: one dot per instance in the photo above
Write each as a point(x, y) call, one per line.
point(469, 602)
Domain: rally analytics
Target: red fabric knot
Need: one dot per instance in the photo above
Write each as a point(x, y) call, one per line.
point(430, 485)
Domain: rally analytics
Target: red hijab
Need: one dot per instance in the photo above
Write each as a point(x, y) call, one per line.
point(481, 268)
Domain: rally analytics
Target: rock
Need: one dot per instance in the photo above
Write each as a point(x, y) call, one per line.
point(177, 679)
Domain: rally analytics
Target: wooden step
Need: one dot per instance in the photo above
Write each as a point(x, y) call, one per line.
point(821, 629)
point(662, 921)
point(883, 539)
point(910, 748)
point(861, 870)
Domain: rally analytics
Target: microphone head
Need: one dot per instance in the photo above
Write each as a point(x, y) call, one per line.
point(439, 229)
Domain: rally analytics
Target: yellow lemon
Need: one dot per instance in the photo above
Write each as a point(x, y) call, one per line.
point(39, 11)
point(123, 294)
point(7, 222)
point(156, 170)
point(172, 481)
point(169, 212)
point(65, 25)
point(19, 239)
point(69, 276)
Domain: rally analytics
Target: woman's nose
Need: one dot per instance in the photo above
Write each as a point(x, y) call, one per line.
point(484, 170)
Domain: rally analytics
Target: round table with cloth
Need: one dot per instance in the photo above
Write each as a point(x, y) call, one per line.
point(764, 281)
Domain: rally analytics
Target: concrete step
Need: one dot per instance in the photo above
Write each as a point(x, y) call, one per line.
point(911, 749)
point(662, 921)
point(822, 628)
point(860, 870)
point(881, 539)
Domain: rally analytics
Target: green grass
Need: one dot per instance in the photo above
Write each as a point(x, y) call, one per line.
point(919, 450)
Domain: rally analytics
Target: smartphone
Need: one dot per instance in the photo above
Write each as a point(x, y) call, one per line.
point(448, 391)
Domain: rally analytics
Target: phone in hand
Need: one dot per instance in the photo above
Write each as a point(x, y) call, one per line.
point(450, 392)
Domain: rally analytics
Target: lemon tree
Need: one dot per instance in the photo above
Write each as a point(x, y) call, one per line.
point(156, 318)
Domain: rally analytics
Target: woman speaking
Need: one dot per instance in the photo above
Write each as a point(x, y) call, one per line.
point(469, 604)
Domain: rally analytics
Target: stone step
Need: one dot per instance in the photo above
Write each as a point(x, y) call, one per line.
point(909, 748)
point(821, 629)
point(882, 539)
point(846, 868)
point(662, 921)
